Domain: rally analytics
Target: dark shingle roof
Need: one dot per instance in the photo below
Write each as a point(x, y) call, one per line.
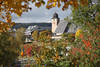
point(55, 15)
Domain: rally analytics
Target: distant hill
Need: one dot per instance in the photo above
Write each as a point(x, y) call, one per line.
point(25, 25)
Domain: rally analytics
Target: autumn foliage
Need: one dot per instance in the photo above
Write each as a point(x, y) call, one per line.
point(8, 7)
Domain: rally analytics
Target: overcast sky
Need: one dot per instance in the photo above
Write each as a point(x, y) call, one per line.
point(40, 15)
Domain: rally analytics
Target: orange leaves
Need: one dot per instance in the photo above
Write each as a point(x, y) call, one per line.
point(81, 36)
point(33, 0)
point(75, 4)
point(52, 3)
point(38, 4)
point(8, 20)
point(59, 4)
point(70, 2)
point(84, 2)
point(22, 53)
point(87, 43)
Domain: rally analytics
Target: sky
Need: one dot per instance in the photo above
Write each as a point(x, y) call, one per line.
point(39, 15)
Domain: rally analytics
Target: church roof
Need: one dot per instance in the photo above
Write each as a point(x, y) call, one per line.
point(61, 27)
point(65, 26)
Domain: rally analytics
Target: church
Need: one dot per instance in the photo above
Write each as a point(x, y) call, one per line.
point(60, 27)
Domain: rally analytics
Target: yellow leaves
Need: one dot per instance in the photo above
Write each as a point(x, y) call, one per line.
point(55, 0)
point(38, 4)
point(1, 30)
point(19, 12)
point(12, 24)
point(48, 6)
point(54, 4)
point(4, 27)
point(6, 2)
point(56, 57)
point(35, 35)
point(78, 32)
point(39, 59)
point(42, 57)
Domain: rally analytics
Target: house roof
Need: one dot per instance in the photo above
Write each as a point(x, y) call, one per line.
point(61, 27)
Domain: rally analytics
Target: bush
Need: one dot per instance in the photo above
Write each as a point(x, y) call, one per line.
point(35, 35)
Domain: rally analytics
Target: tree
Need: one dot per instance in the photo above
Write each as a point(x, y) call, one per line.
point(8, 50)
point(44, 36)
point(86, 45)
point(35, 35)
point(20, 37)
point(86, 17)
point(8, 7)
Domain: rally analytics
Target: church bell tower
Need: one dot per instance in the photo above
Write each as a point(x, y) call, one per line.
point(55, 21)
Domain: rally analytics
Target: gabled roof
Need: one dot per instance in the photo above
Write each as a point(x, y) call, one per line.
point(72, 28)
point(61, 27)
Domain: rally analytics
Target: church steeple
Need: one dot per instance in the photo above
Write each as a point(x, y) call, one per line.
point(55, 21)
point(55, 15)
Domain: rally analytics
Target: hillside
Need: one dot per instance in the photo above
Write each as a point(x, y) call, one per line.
point(25, 25)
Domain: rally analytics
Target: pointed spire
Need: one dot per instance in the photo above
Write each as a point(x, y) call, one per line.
point(55, 15)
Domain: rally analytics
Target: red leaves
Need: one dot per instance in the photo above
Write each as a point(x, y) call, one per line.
point(81, 36)
point(87, 43)
point(28, 49)
point(74, 50)
point(99, 45)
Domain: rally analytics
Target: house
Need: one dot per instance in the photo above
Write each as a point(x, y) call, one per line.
point(30, 30)
point(60, 27)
